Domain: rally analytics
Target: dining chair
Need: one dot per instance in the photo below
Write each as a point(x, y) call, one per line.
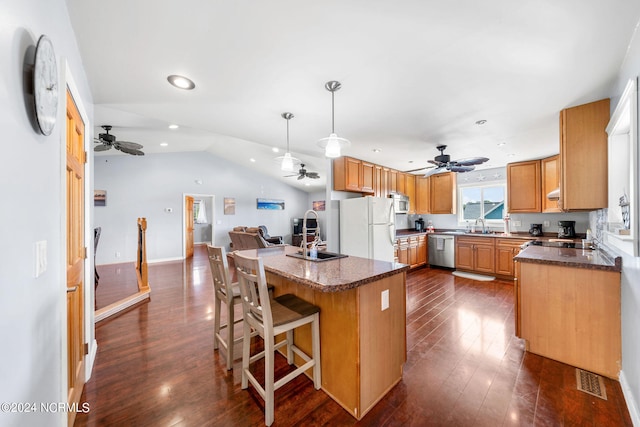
point(224, 292)
point(268, 317)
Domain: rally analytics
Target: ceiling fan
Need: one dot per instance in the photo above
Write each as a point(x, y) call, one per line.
point(443, 163)
point(302, 173)
point(107, 141)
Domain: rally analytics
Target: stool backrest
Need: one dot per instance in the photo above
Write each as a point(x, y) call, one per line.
point(253, 290)
point(220, 270)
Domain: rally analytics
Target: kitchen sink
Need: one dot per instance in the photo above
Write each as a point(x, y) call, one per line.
point(322, 256)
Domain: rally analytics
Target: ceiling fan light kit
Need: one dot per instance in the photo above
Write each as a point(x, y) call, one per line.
point(333, 144)
point(443, 162)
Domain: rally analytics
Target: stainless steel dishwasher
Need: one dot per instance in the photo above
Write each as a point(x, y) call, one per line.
point(442, 251)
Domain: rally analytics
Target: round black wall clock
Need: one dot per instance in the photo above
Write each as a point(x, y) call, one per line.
point(45, 85)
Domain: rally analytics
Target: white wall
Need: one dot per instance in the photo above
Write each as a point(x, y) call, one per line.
point(145, 186)
point(32, 310)
point(630, 377)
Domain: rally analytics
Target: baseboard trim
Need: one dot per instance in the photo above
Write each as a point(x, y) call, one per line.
point(91, 359)
point(155, 261)
point(629, 399)
point(123, 304)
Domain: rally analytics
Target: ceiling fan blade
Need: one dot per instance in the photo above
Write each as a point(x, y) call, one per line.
point(289, 176)
point(434, 171)
point(131, 151)
point(433, 162)
point(419, 169)
point(102, 147)
point(127, 144)
point(470, 161)
point(313, 175)
point(461, 168)
point(98, 141)
point(301, 176)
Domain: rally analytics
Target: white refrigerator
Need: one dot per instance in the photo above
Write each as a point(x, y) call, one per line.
point(367, 227)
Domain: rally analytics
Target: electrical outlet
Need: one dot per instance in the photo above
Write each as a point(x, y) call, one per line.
point(117, 254)
point(385, 299)
point(545, 223)
point(517, 223)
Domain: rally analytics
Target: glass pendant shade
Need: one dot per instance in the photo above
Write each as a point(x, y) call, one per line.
point(333, 144)
point(287, 162)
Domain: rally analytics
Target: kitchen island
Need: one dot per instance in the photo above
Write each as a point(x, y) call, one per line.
point(362, 320)
point(568, 306)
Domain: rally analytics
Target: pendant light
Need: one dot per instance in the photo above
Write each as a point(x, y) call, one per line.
point(333, 143)
point(287, 162)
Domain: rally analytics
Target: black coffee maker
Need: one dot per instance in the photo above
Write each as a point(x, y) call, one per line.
point(566, 229)
point(419, 224)
point(535, 230)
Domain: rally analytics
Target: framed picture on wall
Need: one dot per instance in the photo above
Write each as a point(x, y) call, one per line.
point(318, 205)
point(229, 206)
point(99, 198)
point(270, 204)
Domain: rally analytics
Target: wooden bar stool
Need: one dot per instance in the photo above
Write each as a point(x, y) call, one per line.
point(268, 318)
point(225, 292)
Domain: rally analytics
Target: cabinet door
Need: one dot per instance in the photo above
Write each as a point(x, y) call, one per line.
point(422, 195)
point(583, 156)
point(524, 192)
point(464, 255)
point(550, 181)
point(403, 251)
point(384, 183)
point(443, 197)
point(484, 257)
point(504, 259)
point(367, 177)
point(400, 183)
point(410, 190)
point(378, 188)
point(413, 252)
point(422, 250)
point(346, 174)
point(393, 181)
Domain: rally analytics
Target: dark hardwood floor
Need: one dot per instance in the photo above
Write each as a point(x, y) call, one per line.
point(156, 365)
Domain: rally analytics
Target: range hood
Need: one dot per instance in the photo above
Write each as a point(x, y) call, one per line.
point(554, 194)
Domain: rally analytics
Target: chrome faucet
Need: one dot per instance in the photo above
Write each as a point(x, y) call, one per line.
point(484, 230)
point(316, 238)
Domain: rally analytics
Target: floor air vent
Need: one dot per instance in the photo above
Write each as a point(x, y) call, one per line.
point(591, 383)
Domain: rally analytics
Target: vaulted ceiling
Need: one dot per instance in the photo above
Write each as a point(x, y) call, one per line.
point(415, 74)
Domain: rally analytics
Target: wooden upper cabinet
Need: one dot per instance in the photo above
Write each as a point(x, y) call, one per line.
point(550, 169)
point(378, 190)
point(410, 190)
point(367, 171)
point(524, 192)
point(400, 183)
point(349, 175)
point(443, 193)
point(583, 156)
point(422, 198)
point(393, 181)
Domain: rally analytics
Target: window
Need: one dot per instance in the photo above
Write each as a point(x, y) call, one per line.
point(485, 202)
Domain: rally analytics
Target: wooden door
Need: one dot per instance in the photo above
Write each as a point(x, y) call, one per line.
point(550, 181)
point(524, 192)
point(484, 257)
point(188, 226)
point(464, 255)
point(367, 173)
point(76, 255)
point(422, 195)
point(410, 190)
point(443, 193)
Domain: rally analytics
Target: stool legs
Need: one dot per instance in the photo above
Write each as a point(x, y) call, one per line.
point(315, 349)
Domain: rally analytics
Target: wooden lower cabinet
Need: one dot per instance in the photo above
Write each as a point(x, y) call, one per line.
point(475, 254)
point(571, 315)
point(506, 249)
point(412, 250)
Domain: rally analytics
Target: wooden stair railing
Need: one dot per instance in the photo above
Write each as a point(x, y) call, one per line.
point(142, 274)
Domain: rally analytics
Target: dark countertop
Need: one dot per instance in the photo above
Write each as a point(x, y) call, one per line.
point(596, 259)
point(326, 276)
point(523, 235)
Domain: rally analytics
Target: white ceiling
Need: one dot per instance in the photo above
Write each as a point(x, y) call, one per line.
point(414, 74)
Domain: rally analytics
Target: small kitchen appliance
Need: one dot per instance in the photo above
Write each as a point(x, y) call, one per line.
point(566, 229)
point(535, 230)
point(419, 224)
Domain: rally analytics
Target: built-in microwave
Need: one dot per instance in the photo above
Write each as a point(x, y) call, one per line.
point(400, 202)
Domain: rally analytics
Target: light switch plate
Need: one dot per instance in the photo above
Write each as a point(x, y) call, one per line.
point(385, 299)
point(41, 257)
point(545, 223)
point(517, 223)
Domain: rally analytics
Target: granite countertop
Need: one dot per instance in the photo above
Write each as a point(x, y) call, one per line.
point(523, 235)
point(597, 259)
point(326, 276)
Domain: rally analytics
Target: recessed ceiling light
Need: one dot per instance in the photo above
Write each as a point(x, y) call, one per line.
point(173, 127)
point(501, 144)
point(511, 155)
point(275, 149)
point(375, 150)
point(252, 160)
point(181, 82)
point(481, 122)
point(164, 144)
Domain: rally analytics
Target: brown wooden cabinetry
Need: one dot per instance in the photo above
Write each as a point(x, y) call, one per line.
point(550, 170)
point(350, 174)
point(583, 156)
point(400, 183)
point(412, 250)
point(422, 195)
point(410, 190)
point(443, 193)
point(475, 254)
point(506, 249)
point(392, 186)
point(524, 193)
